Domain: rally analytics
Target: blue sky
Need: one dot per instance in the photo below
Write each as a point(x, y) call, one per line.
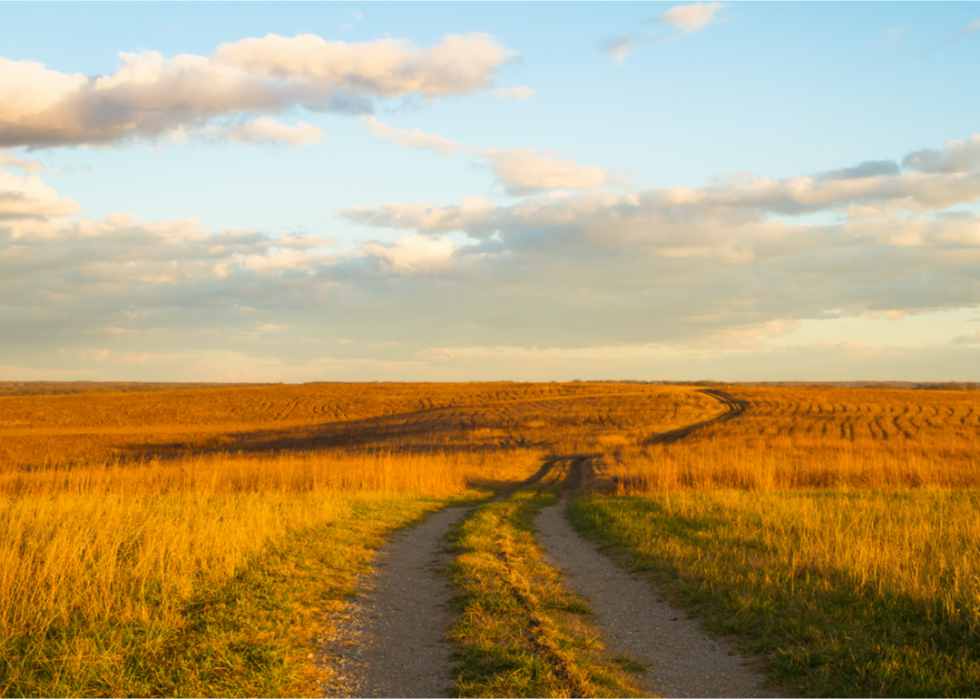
point(358, 191)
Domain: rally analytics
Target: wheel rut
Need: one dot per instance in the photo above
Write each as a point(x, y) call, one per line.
point(680, 659)
point(390, 640)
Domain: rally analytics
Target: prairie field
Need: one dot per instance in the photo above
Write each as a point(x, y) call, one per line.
point(126, 514)
point(197, 541)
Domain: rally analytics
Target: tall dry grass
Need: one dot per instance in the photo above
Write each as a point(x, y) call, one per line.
point(861, 593)
point(97, 562)
point(107, 541)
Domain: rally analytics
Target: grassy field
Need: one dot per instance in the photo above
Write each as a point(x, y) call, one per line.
point(833, 530)
point(194, 542)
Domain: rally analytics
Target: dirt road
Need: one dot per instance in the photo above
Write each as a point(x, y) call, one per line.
point(390, 641)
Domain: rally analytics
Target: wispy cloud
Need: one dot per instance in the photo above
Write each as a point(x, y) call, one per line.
point(964, 31)
point(685, 20)
point(521, 171)
point(413, 138)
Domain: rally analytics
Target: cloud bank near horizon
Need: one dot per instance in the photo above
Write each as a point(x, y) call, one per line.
point(732, 264)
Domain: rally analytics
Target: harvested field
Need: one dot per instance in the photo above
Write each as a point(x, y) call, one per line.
point(99, 428)
point(817, 437)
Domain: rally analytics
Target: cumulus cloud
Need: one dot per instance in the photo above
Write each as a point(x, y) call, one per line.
point(527, 170)
point(722, 267)
point(29, 197)
point(874, 197)
point(956, 156)
point(388, 68)
point(150, 96)
point(727, 257)
point(410, 254)
point(689, 19)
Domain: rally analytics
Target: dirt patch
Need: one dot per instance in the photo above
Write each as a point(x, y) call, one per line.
point(389, 640)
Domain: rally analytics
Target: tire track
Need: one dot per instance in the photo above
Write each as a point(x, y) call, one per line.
point(681, 660)
point(735, 407)
point(390, 640)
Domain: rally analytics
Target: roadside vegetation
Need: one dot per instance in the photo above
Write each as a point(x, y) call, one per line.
point(832, 530)
point(204, 576)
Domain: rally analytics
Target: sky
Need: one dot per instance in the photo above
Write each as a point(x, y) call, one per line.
point(489, 191)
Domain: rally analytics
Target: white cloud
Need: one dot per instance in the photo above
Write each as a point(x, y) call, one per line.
point(620, 46)
point(150, 96)
point(412, 138)
point(520, 170)
point(9, 160)
point(526, 170)
point(411, 254)
point(263, 130)
point(873, 199)
point(725, 267)
point(30, 197)
point(956, 156)
point(684, 19)
point(385, 67)
point(689, 19)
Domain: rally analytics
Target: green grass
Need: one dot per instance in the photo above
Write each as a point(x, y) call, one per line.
point(520, 631)
point(844, 594)
point(254, 635)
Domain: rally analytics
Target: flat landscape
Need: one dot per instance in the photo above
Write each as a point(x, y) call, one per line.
point(232, 541)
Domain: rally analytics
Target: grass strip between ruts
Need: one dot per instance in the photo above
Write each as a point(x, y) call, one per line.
point(821, 630)
point(520, 632)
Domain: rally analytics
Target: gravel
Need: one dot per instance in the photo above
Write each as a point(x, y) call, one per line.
point(681, 660)
point(389, 641)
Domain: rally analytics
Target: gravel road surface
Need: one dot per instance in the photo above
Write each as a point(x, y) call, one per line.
point(389, 640)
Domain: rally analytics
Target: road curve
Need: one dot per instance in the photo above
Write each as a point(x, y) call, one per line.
point(736, 407)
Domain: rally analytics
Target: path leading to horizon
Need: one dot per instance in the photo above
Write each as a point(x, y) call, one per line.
point(390, 641)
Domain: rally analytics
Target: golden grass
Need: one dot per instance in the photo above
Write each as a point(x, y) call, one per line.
point(120, 509)
point(803, 438)
point(834, 529)
point(859, 593)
